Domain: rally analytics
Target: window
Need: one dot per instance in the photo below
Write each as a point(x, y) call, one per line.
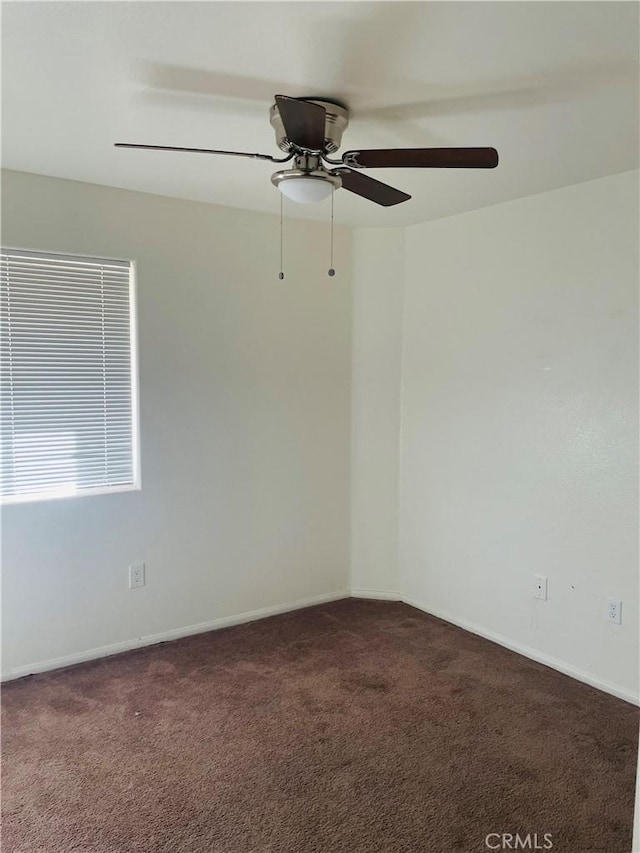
point(68, 389)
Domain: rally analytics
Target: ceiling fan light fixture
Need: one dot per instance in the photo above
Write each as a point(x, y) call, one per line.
point(306, 190)
point(306, 187)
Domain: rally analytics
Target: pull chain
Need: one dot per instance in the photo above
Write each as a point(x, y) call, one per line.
point(332, 272)
point(281, 274)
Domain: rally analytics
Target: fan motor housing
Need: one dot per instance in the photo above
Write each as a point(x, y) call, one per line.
point(335, 124)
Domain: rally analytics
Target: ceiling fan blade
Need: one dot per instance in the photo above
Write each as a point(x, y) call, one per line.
point(199, 151)
point(423, 158)
point(370, 188)
point(303, 122)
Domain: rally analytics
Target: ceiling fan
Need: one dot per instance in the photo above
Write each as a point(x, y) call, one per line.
point(310, 129)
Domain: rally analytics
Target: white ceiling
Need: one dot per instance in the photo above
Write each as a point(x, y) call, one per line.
point(553, 86)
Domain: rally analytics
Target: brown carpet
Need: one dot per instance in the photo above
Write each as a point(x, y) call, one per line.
point(355, 727)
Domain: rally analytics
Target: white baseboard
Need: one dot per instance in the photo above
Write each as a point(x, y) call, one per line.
point(174, 634)
point(252, 615)
point(528, 652)
point(376, 594)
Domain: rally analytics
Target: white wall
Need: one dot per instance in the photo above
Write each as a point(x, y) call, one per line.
point(516, 363)
point(520, 424)
point(245, 413)
point(377, 343)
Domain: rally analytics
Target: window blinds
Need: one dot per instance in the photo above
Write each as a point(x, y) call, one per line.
point(68, 416)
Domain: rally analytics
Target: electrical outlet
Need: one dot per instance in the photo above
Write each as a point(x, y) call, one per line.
point(540, 587)
point(136, 575)
point(614, 611)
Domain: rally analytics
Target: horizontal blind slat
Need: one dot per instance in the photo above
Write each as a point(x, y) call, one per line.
point(12, 255)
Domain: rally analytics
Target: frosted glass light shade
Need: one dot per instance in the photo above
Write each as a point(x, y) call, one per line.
point(305, 190)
